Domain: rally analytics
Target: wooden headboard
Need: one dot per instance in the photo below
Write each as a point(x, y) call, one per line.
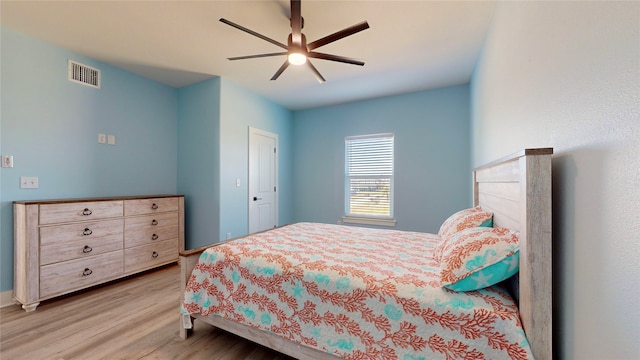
point(517, 189)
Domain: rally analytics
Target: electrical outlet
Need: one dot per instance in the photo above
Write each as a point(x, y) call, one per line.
point(228, 236)
point(111, 139)
point(7, 161)
point(28, 182)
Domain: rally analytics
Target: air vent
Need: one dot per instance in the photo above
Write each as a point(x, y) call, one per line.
point(84, 74)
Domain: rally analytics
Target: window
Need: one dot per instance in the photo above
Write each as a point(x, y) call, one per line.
point(369, 179)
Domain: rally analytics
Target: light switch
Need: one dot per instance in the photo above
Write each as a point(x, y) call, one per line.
point(28, 182)
point(237, 182)
point(102, 139)
point(111, 139)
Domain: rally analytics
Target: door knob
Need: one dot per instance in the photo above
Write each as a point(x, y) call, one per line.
point(255, 198)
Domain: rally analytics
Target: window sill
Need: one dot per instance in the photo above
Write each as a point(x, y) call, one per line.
point(369, 221)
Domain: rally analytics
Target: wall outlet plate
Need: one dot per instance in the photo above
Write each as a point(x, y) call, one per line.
point(7, 161)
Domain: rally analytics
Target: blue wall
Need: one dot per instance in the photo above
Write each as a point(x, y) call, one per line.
point(50, 125)
point(240, 110)
point(194, 141)
point(213, 136)
point(199, 160)
point(432, 155)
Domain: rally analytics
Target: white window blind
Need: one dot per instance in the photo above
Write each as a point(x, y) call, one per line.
point(369, 176)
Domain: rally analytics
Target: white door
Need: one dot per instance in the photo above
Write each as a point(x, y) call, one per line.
point(263, 202)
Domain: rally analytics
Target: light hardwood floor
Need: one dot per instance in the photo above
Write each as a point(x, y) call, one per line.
point(134, 318)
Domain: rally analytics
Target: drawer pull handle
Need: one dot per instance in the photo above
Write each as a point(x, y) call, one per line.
point(86, 212)
point(154, 237)
point(87, 249)
point(154, 222)
point(155, 254)
point(87, 231)
point(87, 272)
point(154, 206)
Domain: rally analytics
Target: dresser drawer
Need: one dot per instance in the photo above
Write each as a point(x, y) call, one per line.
point(148, 256)
point(62, 251)
point(71, 275)
point(150, 206)
point(148, 229)
point(50, 235)
point(80, 211)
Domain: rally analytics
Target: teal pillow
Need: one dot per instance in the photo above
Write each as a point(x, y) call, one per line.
point(479, 257)
point(488, 276)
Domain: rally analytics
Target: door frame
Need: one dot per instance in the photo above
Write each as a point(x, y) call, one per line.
point(252, 132)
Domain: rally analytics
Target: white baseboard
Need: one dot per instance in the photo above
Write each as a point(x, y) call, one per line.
point(6, 298)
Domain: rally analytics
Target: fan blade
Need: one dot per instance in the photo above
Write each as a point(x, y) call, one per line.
point(296, 23)
point(257, 56)
point(240, 27)
point(315, 72)
point(338, 35)
point(281, 70)
point(342, 59)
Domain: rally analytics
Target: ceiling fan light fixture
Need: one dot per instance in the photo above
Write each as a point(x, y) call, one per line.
point(296, 58)
point(297, 49)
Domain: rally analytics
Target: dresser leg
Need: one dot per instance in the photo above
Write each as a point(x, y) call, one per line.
point(30, 307)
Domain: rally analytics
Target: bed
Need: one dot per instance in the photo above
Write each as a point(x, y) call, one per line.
point(321, 291)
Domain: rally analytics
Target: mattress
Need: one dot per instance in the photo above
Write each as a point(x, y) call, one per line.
point(358, 293)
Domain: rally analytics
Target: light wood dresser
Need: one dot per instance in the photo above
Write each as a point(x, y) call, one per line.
point(61, 246)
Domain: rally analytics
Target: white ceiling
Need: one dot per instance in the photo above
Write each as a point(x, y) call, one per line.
point(410, 46)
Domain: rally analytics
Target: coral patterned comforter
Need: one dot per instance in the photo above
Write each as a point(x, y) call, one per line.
point(356, 292)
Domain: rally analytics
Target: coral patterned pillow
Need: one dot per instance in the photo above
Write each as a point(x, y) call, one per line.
point(479, 257)
point(464, 219)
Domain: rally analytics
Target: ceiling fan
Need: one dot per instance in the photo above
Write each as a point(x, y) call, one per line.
point(297, 49)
